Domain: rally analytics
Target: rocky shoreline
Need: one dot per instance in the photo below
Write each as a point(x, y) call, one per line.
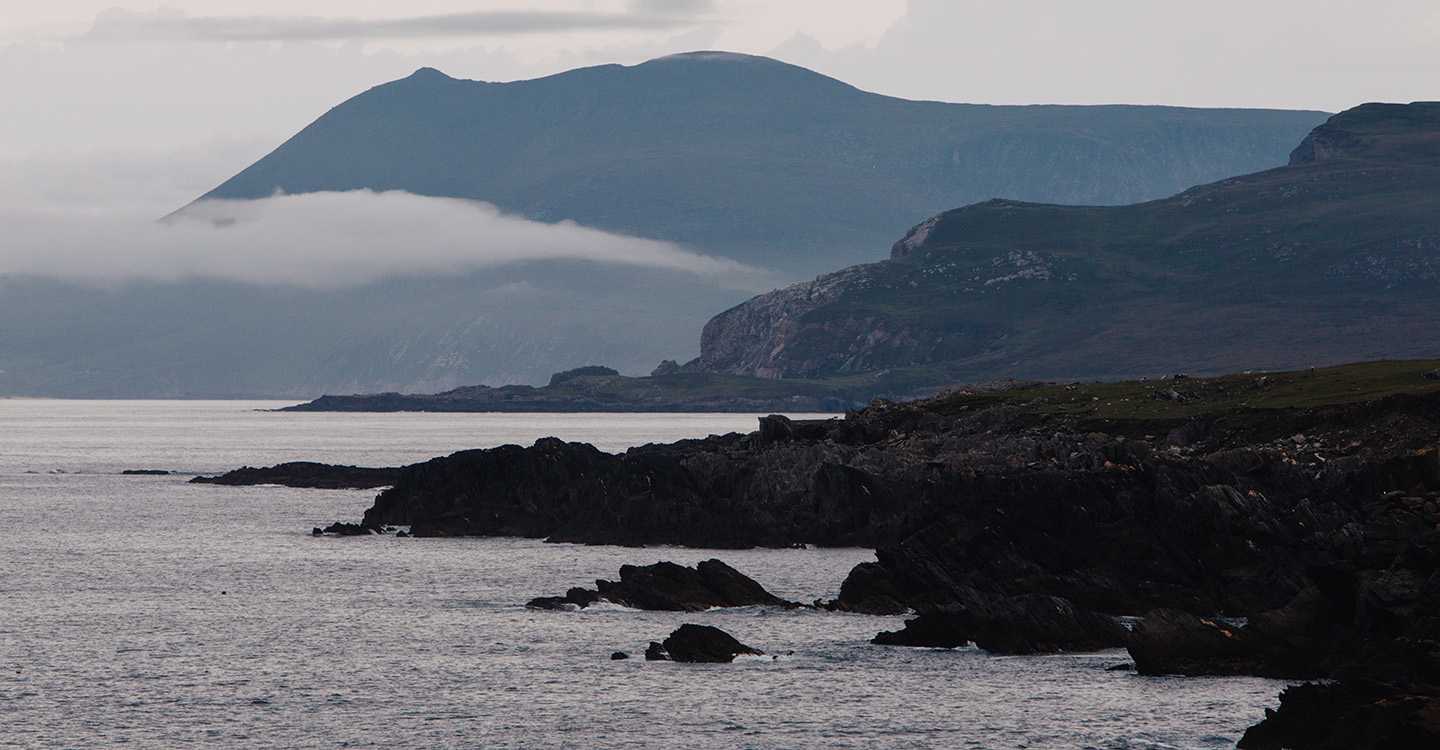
point(1025, 522)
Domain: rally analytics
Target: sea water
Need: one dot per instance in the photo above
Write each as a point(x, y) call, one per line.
point(147, 612)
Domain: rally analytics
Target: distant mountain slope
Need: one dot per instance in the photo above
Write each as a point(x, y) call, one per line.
point(1334, 258)
point(750, 158)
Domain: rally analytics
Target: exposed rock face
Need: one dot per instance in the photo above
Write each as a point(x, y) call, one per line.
point(666, 586)
point(703, 644)
point(307, 474)
point(1069, 292)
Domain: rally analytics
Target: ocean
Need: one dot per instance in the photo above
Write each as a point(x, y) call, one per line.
point(147, 612)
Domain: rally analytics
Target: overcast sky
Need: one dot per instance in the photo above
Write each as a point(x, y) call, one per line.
point(128, 107)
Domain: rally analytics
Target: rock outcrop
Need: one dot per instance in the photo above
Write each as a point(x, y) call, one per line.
point(666, 586)
point(1279, 525)
point(699, 644)
point(307, 474)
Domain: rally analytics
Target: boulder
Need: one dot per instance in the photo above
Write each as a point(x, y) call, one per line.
point(704, 644)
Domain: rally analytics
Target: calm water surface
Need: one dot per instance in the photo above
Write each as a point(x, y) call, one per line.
point(146, 612)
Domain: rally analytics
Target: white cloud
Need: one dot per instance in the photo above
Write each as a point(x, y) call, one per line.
point(322, 240)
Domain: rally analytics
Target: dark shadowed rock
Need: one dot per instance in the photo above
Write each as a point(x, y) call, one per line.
point(340, 528)
point(619, 655)
point(1350, 715)
point(1028, 624)
point(144, 472)
point(702, 643)
point(666, 586)
point(1170, 641)
point(307, 474)
point(656, 652)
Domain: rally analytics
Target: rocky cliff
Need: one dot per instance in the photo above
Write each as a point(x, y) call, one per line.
point(1307, 503)
point(1334, 258)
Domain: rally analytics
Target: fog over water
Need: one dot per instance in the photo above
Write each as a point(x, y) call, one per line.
point(322, 239)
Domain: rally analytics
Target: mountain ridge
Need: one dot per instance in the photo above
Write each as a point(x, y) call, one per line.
point(748, 157)
point(1329, 259)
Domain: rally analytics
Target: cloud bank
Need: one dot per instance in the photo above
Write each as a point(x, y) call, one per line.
point(323, 240)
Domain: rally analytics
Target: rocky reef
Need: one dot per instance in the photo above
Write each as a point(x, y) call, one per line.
point(1282, 524)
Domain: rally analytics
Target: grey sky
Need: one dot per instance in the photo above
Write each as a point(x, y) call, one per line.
point(119, 110)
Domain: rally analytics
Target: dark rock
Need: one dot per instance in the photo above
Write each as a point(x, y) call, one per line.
point(575, 598)
point(666, 367)
point(351, 529)
point(145, 472)
point(702, 643)
point(656, 652)
point(1350, 715)
point(317, 531)
point(1431, 374)
point(1126, 667)
point(1037, 623)
point(1033, 623)
point(619, 655)
point(666, 586)
point(774, 429)
point(590, 370)
point(1169, 641)
point(307, 474)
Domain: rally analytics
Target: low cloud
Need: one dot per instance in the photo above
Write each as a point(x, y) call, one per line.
point(324, 240)
point(168, 24)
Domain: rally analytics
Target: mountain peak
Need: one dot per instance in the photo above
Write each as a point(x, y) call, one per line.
point(428, 74)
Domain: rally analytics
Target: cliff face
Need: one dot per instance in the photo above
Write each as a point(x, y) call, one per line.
point(1331, 259)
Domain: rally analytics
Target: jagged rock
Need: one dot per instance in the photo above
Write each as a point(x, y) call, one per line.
point(666, 586)
point(1170, 641)
point(656, 652)
point(575, 598)
point(702, 643)
point(1350, 715)
point(351, 529)
point(619, 656)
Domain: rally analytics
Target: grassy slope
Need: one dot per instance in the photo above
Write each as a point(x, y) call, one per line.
point(1271, 268)
point(1257, 402)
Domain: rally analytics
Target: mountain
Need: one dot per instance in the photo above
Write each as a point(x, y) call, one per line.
point(740, 157)
point(1335, 257)
point(751, 158)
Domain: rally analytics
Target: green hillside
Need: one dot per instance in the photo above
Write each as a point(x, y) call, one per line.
point(1327, 260)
